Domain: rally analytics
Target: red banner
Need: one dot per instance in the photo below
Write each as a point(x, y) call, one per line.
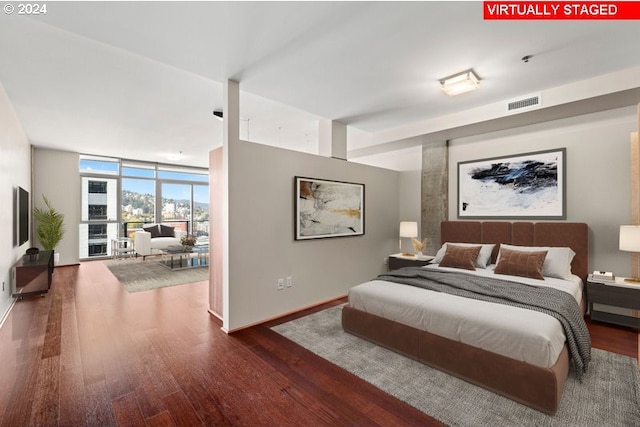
point(581, 10)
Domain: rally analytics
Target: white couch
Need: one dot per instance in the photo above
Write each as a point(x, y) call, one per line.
point(156, 237)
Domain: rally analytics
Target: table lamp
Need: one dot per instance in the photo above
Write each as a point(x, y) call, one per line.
point(408, 229)
point(630, 242)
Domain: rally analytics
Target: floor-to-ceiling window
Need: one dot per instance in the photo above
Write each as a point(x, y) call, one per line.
point(176, 202)
point(120, 196)
point(138, 195)
point(99, 206)
point(183, 202)
point(200, 218)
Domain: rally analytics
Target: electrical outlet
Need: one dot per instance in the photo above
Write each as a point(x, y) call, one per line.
point(280, 284)
point(386, 260)
point(289, 281)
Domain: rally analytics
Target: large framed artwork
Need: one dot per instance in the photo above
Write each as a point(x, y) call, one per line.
point(523, 186)
point(327, 208)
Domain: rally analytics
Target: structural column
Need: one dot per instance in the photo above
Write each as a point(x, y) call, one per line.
point(231, 109)
point(332, 138)
point(435, 191)
point(219, 204)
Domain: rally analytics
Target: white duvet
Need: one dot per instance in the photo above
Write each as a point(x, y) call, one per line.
point(520, 334)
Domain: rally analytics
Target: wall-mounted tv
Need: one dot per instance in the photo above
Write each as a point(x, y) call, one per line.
point(22, 216)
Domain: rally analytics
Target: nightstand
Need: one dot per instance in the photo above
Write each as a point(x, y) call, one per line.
point(397, 261)
point(619, 294)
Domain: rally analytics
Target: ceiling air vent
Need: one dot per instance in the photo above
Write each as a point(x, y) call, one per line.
point(525, 103)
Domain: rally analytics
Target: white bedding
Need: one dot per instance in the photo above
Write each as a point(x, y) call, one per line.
point(525, 335)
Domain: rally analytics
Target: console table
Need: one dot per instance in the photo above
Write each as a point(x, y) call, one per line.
point(32, 275)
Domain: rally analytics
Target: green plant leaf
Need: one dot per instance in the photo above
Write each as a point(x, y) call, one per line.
point(50, 225)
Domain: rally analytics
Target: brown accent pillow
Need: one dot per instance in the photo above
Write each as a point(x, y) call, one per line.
point(460, 257)
point(521, 263)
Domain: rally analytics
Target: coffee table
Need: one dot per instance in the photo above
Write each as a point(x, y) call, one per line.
point(176, 258)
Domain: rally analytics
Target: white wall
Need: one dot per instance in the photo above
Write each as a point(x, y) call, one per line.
point(261, 232)
point(598, 189)
point(56, 175)
point(15, 167)
point(407, 161)
point(410, 195)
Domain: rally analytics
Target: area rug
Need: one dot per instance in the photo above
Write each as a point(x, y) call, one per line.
point(137, 275)
point(608, 396)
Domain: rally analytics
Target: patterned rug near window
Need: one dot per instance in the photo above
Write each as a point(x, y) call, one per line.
point(137, 275)
point(608, 396)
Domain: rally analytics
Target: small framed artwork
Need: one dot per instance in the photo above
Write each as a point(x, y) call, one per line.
point(326, 208)
point(523, 186)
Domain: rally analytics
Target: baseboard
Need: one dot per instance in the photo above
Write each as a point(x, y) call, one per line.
point(6, 314)
point(280, 316)
point(214, 314)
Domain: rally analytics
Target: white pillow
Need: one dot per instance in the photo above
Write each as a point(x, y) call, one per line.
point(556, 264)
point(484, 256)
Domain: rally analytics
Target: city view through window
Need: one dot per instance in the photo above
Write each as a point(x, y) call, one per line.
point(177, 203)
point(120, 197)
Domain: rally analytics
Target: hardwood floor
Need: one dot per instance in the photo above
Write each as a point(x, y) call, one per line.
point(89, 353)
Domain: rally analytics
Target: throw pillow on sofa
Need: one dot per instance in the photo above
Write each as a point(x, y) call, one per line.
point(153, 229)
point(166, 231)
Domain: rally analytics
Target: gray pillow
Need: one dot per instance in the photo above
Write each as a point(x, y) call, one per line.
point(153, 229)
point(166, 231)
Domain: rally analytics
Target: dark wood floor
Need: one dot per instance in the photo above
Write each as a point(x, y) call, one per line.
point(89, 353)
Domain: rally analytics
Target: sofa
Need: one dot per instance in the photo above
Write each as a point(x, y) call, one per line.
point(155, 237)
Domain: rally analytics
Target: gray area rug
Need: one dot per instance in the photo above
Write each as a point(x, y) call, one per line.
point(608, 396)
point(137, 275)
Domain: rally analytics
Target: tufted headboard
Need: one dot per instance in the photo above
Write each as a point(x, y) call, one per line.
point(569, 234)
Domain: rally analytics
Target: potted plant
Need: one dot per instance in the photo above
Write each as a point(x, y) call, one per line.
point(50, 225)
point(188, 242)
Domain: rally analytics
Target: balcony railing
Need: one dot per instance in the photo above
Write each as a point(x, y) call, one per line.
point(131, 227)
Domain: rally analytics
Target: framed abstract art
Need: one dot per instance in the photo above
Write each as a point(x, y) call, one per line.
point(523, 186)
point(325, 208)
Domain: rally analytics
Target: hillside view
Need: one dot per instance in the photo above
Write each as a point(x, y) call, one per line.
point(140, 207)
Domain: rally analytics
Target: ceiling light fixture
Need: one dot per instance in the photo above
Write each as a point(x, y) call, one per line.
point(460, 83)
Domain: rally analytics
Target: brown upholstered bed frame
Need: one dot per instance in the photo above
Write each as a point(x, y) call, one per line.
point(539, 388)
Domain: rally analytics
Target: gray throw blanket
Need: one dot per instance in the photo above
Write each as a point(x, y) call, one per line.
point(553, 302)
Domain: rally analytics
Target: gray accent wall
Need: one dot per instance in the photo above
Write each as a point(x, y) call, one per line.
point(597, 168)
point(262, 248)
point(598, 174)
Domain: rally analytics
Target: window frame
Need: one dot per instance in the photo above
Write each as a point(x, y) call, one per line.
point(159, 173)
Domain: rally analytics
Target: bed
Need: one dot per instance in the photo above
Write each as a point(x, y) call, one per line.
point(473, 339)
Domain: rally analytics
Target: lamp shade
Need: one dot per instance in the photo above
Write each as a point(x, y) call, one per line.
point(630, 238)
point(408, 229)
